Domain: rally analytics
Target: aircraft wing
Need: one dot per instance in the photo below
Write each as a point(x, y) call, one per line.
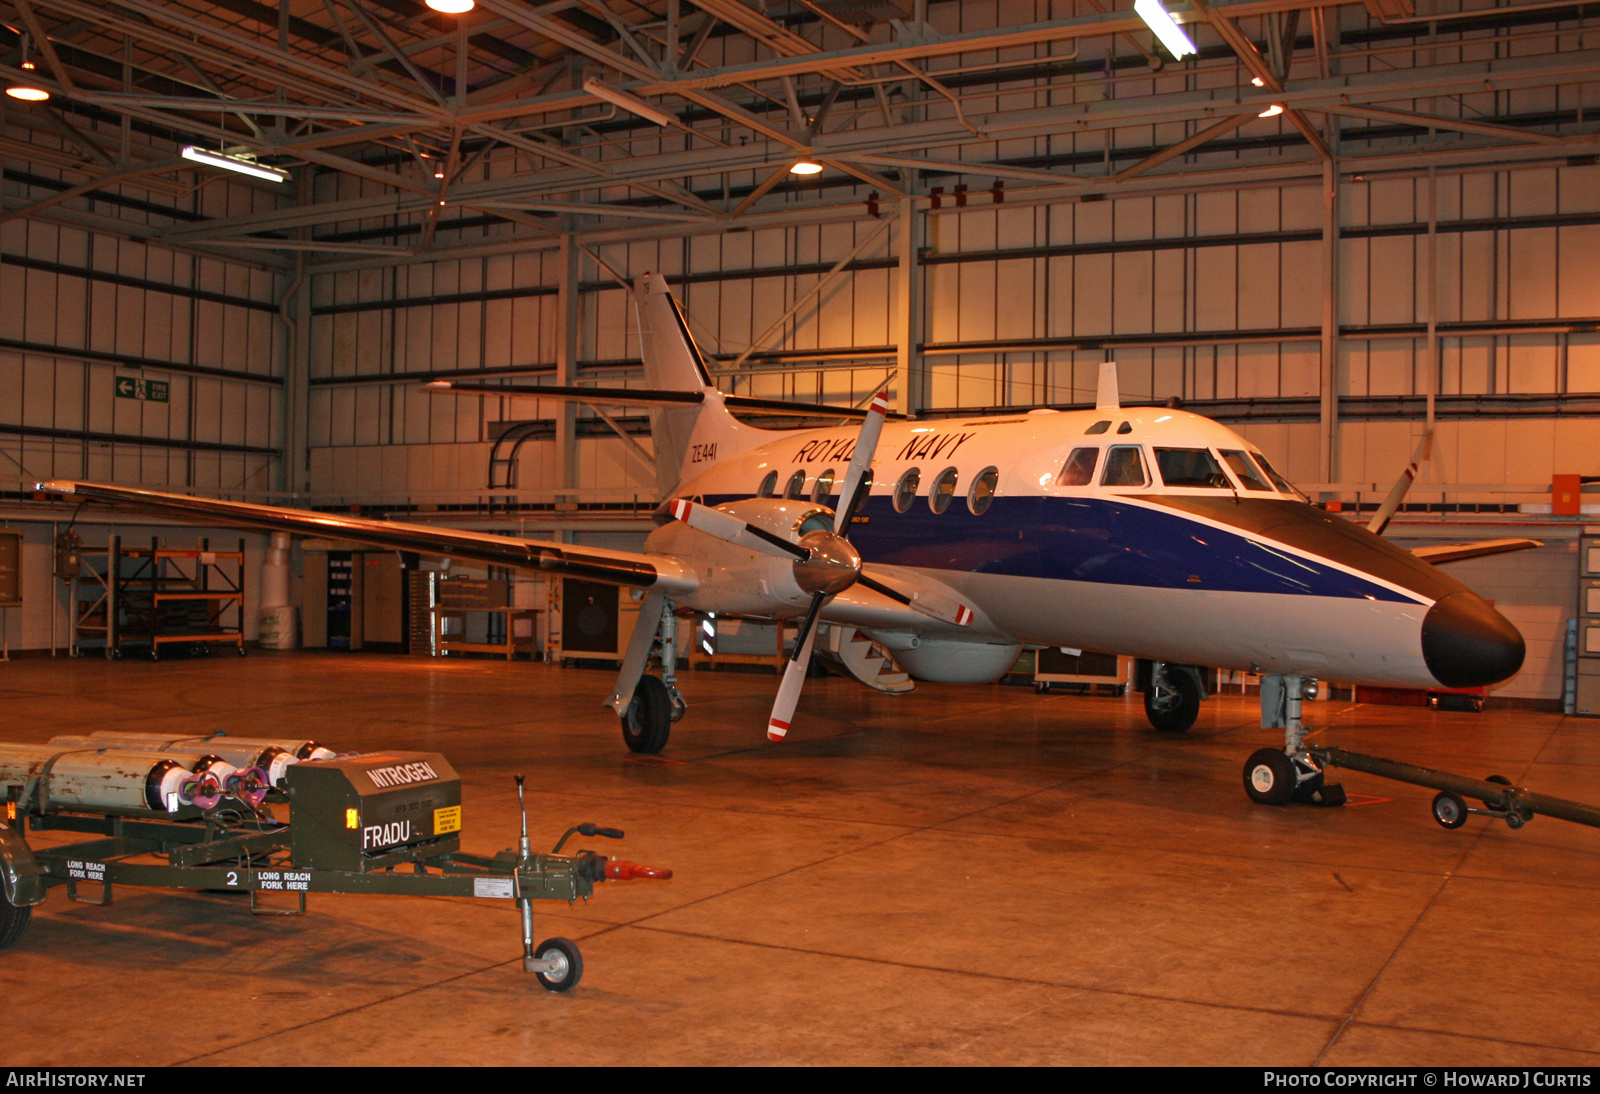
point(1455, 552)
point(660, 573)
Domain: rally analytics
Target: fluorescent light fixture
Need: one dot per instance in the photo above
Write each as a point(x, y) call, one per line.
point(806, 167)
point(451, 7)
point(631, 103)
point(1272, 111)
point(1156, 18)
point(28, 93)
point(241, 164)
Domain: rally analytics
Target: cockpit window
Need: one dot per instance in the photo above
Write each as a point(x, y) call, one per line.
point(1193, 467)
point(1079, 468)
point(1245, 471)
point(942, 490)
point(797, 483)
point(1124, 467)
point(824, 487)
point(1278, 480)
point(1125, 427)
point(905, 491)
point(1098, 427)
point(982, 492)
point(768, 485)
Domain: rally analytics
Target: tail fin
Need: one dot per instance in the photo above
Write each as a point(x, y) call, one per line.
point(673, 362)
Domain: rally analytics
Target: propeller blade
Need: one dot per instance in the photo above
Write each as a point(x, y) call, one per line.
point(851, 494)
point(794, 674)
point(947, 609)
point(714, 522)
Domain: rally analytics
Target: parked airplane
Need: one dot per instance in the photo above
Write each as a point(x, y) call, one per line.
point(953, 544)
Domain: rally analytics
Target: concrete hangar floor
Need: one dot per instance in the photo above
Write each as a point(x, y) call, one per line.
point(963, 875)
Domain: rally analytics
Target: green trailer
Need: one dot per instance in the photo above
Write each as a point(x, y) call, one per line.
point(384, 823)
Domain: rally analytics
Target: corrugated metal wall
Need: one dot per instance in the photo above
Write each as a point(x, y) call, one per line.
point(82, 308)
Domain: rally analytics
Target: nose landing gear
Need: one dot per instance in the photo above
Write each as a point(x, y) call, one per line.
point(1294, 774)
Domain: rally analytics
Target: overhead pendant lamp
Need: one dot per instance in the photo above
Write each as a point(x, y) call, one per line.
point(806, 167)
point(451, 7)
point(27, 92)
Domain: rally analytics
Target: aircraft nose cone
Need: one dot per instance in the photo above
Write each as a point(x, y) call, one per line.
point(1467, 644)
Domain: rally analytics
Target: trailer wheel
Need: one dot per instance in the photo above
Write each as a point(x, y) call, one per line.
point(13, 922)
point(1449, 810)
point(648, 721)
point(569, 964)
point(1269, 776)
point(1501, 780)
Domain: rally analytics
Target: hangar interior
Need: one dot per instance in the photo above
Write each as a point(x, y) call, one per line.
point(1360, 234)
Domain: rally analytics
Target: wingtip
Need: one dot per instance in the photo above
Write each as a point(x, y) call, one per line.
point(57, 486)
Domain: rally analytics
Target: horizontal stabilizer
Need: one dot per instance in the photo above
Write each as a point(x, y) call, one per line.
point(637, 396)
point(1455, 552)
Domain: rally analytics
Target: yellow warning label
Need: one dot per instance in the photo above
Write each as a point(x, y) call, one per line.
point(447, 820)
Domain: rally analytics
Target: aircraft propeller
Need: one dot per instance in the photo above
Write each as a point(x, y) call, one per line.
point(825, 562)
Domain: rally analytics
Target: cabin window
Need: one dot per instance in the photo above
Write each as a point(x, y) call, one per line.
point(769, 485)
point(824, 487)
point(982, 492)
point(1193, 467)
point(1245, 471)
point(797, 483)
point(905, 491)
point(1125, 428)
point(943, 489)
point(1277, 480)
point(1124, 467)
point(1098, 427)
point(1079, 468)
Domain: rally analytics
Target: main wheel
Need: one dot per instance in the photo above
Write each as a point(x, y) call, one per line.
point(13, 921)
point(1501, 780)
point(1174, 708)
point(1449, 810)
point(648, 720)
point(1269, 776)
point(569, 964)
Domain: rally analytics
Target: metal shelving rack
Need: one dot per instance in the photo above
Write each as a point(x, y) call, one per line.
point(155, 596)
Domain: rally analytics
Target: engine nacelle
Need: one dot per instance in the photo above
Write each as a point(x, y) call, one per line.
point(735, 580)
point(946, 662)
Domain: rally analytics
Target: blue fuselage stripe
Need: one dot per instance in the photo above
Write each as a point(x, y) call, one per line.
point(1095, 539)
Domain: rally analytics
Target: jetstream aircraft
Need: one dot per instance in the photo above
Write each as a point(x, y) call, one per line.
point(951, 545)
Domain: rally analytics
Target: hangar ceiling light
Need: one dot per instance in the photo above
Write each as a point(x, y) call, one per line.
point(241, 164)
point(1156, 18)
point(451, 7)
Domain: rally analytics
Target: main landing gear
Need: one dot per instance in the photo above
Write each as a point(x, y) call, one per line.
point(1172, 696)
point(1276, 777)
point(648, 705)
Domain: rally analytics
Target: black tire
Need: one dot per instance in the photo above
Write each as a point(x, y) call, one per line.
point(1449, 810)
point(648, 721)
point(567, 978)
point(13, 921)
point(1175, 710)
point(1269, 777)
point(1499, 779)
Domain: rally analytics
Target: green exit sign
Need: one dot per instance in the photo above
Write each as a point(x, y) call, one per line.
point(136, 387)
